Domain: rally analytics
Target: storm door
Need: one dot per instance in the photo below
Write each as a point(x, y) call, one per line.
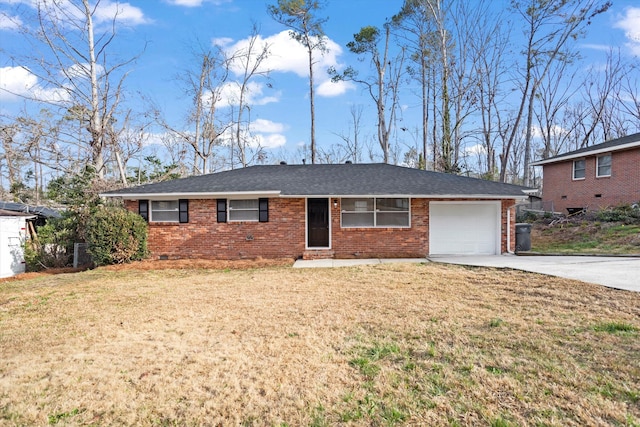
point(318, 223)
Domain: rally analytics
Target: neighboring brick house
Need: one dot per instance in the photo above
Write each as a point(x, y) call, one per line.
point(324, 211)
point(594, 177)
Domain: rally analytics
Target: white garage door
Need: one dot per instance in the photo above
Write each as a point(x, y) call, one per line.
point(464, 228)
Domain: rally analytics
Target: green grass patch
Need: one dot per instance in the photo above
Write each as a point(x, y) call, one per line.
point(615, 327)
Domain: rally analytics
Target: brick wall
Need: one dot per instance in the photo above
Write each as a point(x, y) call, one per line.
point(623, 186)
point(284, 235)
point(383, 242)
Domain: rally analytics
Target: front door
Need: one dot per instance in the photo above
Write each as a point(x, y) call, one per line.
point(318, 223)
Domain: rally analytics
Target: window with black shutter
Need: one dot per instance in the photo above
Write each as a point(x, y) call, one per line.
point(183, 209)
point(222, 210)
point(143, 209)
point(263, 215)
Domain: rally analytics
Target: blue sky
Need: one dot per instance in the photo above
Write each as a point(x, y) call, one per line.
point(280, 110)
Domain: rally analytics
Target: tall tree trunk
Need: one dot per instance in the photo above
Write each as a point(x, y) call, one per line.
point(312, 104)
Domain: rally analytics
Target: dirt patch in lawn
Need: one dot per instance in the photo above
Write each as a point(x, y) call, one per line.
point(371, 345)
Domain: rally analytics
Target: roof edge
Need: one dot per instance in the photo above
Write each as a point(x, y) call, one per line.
point(173, 196)
point(564, 158)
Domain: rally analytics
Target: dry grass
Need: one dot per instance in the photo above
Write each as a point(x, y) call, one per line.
point(374, 345)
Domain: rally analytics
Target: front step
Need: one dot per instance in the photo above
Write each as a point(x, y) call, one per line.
point(318, 254)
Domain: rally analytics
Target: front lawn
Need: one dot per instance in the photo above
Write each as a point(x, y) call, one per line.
point(396, 344)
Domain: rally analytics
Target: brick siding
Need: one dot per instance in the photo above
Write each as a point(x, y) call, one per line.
point(623, 186)
point(284, 235)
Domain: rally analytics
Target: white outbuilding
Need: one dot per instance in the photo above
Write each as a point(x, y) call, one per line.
point(13, 232)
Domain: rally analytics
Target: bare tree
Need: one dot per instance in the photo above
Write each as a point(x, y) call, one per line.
point(384, 85)
point(549, 27)
point(555, 92)
point(249, 62)
point(306, 28)
point(414, 23)
point(351, 142)
point(203, 84)
point(72, 63)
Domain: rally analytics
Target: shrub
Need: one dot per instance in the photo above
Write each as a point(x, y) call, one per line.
point(53, 246)
point(116, 236)
point(629, 214)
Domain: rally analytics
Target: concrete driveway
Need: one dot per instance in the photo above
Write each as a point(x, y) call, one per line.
point(613, 272)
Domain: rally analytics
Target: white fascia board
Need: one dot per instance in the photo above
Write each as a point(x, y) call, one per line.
point(587, 154)
point(174, 196)
point(411, 196)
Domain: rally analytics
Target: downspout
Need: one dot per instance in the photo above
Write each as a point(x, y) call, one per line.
point(509, 230)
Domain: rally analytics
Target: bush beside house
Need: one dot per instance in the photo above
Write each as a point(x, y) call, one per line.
point(116, 236)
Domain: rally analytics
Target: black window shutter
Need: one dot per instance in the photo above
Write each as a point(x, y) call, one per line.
point(263, 206)
point(143, 209)
point(183, 210)
point(222, 210)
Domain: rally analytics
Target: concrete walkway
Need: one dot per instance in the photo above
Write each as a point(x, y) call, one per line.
point(613, 272)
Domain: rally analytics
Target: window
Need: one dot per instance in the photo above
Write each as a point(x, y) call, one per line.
point(167, 211)
point(373, 212)
point(604, 165)
point(578, 169)
point(242, 210)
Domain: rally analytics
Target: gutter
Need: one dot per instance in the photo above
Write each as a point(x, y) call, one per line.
point(173, 196)
point(585, 154)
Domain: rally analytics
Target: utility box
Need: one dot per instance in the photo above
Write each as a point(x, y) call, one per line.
point(523, 237)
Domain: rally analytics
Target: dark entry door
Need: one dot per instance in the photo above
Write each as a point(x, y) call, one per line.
point(318, 223)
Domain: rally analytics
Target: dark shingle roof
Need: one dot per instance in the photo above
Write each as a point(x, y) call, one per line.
point(327, 180)
point(40, 211)
point(612, 145)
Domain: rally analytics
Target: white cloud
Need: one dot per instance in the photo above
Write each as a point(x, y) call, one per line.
point(186, 3)
point(270, 141)
point(124, 12)
point(556, 131)
point(267, 134)
point(267, 126)
point(254, 95)
point(288, 56)
point(630, 23)
point(261, 133)
point(222, 41)
point(16, 82)
point(329, 88)
point(195, 3)
point(475, 150)
point(9, 23)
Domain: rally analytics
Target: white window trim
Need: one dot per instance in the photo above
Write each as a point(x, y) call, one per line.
point(177, 211)
point(598, 165)
point(375, 213)
point(229, 210)
point(573, 170)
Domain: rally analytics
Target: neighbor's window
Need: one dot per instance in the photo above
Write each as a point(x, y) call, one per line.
point(604, 165)
point(165, 211)
point(578, 169)
point(374, 212)
point(244, 210)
